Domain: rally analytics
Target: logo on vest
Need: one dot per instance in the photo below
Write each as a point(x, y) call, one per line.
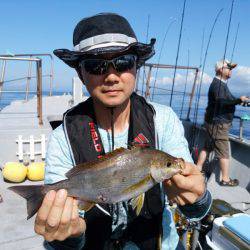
point(142, 140)
point(95, 137)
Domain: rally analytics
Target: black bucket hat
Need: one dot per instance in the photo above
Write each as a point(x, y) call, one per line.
point(101, 34)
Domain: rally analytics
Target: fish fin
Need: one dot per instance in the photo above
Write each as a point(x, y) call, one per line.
point(136, 145)
point(34, 196)
point(89, 165)
point(138, 185)
point(113, 153)
point(137, 203)
point(84, 205)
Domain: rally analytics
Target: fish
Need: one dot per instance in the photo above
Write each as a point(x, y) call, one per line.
point(122, 175)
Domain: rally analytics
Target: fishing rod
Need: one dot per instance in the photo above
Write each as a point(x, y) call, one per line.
point(144, 71)
point(202, 74)
point(235, 39)
point(202, 45)
point(185, 87)
point(178, 49)
point(224, 56)
point(159, 58)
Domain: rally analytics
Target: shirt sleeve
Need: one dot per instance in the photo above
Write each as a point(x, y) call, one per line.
point(58, 158)
point(171, 136)
point(223, 96)
point(172, 141)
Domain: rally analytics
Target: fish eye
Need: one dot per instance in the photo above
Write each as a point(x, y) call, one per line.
point(168, 164)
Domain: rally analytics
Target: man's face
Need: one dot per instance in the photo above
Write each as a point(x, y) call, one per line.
point(112, 88)
point(226, 72)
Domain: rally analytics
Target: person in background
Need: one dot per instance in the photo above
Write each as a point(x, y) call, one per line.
point(218, 120)
point(106, 57)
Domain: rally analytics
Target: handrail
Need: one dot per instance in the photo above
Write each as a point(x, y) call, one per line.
point(169, 66)
point(242, 120)
point(39, 80)
point(34, 55)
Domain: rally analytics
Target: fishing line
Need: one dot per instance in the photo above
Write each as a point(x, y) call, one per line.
point(159, 58)
point(178, 49)
point(112, 128)
point(144, 68)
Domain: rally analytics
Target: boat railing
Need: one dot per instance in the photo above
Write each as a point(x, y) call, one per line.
point(242, 120)
point(189, 104)
point(29, 58)
point(147, 74)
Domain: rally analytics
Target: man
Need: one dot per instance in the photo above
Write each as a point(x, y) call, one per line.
point(218, 120)
point(106, 57)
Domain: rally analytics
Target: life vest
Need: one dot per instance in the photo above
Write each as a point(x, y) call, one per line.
point(86, 145)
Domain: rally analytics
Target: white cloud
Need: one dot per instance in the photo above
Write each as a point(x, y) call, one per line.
point(243, 73)
point(180, 79)
point(240, 81)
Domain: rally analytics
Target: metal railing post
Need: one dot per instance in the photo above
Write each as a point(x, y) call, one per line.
point(147, 93)
point(2, 77)
point(51, 76)
point(28, 80)
point(192, 94)
point(241, 129)
point(39, 91)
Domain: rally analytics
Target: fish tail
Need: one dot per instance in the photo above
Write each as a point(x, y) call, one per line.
point(34, 196)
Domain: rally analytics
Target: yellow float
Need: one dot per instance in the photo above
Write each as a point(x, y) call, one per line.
point(14, 172)
point(36, 171)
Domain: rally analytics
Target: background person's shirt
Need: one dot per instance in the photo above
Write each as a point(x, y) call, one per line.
point(221, 103)
point(171, 140)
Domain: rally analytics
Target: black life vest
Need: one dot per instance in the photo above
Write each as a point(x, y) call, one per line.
point(86, 145)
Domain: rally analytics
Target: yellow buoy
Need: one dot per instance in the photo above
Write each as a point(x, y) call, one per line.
point(36, 171)
point(14, 172)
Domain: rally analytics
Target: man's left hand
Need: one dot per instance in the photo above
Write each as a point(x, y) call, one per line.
point(187, 187)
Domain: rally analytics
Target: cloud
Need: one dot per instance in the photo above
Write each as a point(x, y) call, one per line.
point(240, 81)
point(166, 81)
point(243, 73)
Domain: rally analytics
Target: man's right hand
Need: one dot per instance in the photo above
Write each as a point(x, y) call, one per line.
point(244, 98)
point(58, 218)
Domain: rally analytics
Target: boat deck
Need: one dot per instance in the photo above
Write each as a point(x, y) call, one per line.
point(20, 119)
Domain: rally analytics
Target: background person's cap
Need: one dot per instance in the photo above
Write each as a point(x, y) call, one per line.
point(102, 34)
point(224, 63)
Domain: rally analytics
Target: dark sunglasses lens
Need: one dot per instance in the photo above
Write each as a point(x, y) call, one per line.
point(124, 63)
point(95, 66)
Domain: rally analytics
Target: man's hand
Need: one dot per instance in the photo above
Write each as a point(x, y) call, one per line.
point(244, 98)
point(185, 188)
point(57, 218)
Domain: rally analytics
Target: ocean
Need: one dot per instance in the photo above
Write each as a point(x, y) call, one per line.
point(178, 107)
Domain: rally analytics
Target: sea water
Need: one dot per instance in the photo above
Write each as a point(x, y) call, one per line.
point(179, 105)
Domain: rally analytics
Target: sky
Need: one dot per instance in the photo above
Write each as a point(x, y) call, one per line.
point(30, 26)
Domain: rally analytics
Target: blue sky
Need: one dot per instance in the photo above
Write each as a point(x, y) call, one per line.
point(30, 26)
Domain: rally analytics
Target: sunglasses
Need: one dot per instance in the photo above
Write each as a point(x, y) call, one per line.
point(100, 66)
